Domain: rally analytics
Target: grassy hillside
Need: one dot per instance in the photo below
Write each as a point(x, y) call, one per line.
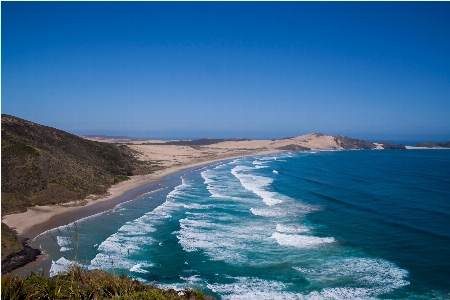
point(79, 284)
point(10, 242)
point(42, 165)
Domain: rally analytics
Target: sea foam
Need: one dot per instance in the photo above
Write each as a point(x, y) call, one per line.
point(300, 241)
point(138, 268)
point(220, 241)
point(60, 266)
point(292, 228)
point(115, 251)
point(269, 212)
point(65, 242)
point(256, 184)
point(248, 288)
point(373, 276)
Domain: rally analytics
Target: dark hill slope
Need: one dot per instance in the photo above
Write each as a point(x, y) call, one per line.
point(350, 143)
point(435, 145)
point(43, 165)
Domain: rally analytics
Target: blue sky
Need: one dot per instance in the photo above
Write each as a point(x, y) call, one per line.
point(231, 69)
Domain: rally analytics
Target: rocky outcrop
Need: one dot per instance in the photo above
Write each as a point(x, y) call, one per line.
point(389, 146)
point(20, 259)
point(15, 250)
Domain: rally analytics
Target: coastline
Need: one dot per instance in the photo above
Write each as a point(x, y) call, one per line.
point(425, 148)
point(39, 219)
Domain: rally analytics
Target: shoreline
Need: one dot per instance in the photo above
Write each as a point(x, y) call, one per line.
point(39, 219)
point(425, 148)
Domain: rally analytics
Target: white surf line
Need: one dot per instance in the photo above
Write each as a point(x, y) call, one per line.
point(95, 215)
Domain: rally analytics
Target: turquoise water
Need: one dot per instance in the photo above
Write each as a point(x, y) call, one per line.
point(304, 225)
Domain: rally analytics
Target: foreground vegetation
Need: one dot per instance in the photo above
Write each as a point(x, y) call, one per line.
point(76, 283)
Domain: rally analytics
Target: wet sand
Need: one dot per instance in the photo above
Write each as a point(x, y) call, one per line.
point(66, 218)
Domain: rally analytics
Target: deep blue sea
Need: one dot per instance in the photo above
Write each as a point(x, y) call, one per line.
point(295, 225)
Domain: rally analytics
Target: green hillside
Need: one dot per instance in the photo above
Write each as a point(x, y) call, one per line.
point(43, 165)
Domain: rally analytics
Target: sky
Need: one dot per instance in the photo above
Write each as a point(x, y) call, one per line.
point(370, 70)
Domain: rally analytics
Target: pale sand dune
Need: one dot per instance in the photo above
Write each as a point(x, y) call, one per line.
point(313, 141)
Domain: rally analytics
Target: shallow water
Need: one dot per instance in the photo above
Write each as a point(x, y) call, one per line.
point(304, 225)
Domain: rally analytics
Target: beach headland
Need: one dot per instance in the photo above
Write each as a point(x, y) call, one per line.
point(172, 157)
point(53, 178)
point(39, 219)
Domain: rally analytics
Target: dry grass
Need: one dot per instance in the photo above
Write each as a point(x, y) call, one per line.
point(76, 283)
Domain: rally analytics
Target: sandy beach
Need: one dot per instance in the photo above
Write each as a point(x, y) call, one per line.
point(174, 159)
point(170, 158)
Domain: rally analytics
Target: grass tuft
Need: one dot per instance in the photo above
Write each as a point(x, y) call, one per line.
point(76, 283)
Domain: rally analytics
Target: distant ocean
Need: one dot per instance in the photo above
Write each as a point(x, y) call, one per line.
point(297, 225)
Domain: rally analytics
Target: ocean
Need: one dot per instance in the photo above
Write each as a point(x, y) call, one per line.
point(295, 225)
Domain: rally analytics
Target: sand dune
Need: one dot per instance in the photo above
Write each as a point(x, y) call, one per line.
point(313, 141)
